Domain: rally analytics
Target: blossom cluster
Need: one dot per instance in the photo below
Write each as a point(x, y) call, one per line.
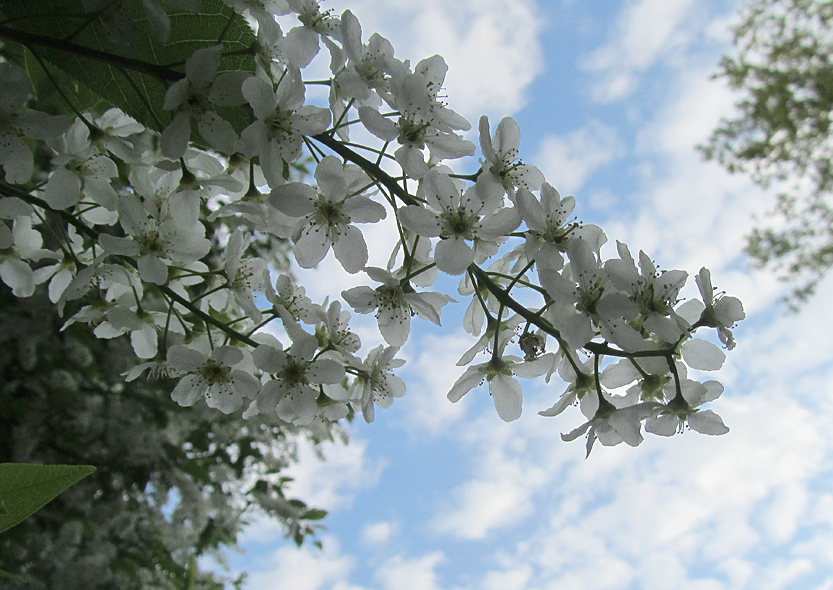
point(154, 230)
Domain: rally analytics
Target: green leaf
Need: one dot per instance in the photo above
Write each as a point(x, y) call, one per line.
point(26, 488)
point(4, 575)
point(133, 71)
point(314, 514)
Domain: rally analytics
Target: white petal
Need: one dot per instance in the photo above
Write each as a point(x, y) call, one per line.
point(227, 355)
point(269, 358)
point(176, 136)
point(412, 161)
point(217, 132)
point(467, 381)
point(17, 159)
point(394, 325)
point(295, 199)
point(226, 90)
point(325, 371)
point(301, 46)
point(184, 359)
point(201, 67)
point(189, 389)
point(59, 283)
point(260, 96)
point(17, 275)
point(351, 250)
point(153, 270)
point(144, 342)
point(663, 425)
point(534, 368)
point(269, 396)
point(63, 189)
point(707, 422)
point(703, 355)
point(507, 137)
point(312, 246)
point(562, 404)
point(619, 374)
point(364, 210)
point(380, 126)
point(453, 256)
point(420, 220)
point(508, 397)
point(627, 425)
point(486, 139)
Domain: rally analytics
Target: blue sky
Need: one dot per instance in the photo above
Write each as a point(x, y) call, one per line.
point(611, 98)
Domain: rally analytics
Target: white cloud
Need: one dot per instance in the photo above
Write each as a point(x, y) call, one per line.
point(568, 161)
point(411, 573)
point(377, 533)
point(511, 579)
point(304, 569)
point(429, 374)
point(332, 482)
point(646, 31)
point(500, 492)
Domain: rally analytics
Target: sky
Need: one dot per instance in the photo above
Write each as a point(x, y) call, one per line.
point(611, 98)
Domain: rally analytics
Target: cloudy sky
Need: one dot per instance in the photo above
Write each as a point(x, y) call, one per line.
point(611, 98)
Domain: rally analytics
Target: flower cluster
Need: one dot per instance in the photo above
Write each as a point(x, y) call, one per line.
point(171, 227)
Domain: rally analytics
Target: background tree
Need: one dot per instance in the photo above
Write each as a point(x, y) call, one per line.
point(783, 68)
point(172, 484)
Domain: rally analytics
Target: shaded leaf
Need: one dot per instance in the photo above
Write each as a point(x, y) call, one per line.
point(26, 488)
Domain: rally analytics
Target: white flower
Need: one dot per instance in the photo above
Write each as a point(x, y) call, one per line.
point(196, 96)
point(720, 311)
point(327, 217)
point(141, 325)
point(424, 121)
point(581, 384)
point(212, 377)
point(702, 355)
point(157, 237)
point(594, 296)
point(264, 12)
point(15, 156)
point(505, 390)
point(652, 379)
point(302, 42)
point(655, 292)
point(244, 275)
point(457, 218)
point(549, 233)
point(290, 298)
point(475, 313)
point(25, 245)
point(111, 133)
point(613, 426)
point(332, 332)
point(61, 273)
point(80, 170)
point(394, 305)
point(502, 170)
point(368, 66)
point(681, 410)
point(292, 394)
point(374, 384)
point(282, 119)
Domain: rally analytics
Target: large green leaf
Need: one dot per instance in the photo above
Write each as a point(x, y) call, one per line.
point(26, 488)
point(128, 68)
